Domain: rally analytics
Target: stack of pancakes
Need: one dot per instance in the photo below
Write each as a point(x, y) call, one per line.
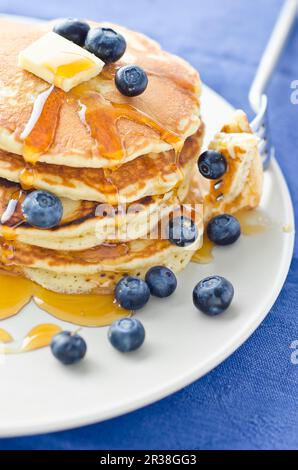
point(113, 161)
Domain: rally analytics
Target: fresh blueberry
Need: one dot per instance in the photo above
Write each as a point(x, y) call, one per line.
point(182, 231)
point(72, 29)
point(68, 348)
point(223, 229)
point(106, 44)
point(212, 165)
point(162, 281)
point(132, 293)
point(213, 295)
point(42, 209)
point(126, 334)
point(131, 80)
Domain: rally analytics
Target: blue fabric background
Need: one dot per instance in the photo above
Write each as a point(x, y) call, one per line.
point(249, 401)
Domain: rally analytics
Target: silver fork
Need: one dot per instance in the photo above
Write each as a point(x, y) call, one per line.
point(258, 100)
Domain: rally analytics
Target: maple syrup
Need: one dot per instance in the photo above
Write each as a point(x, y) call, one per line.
point(99, 115)
point(84, 310)
point(204, 254)
point(80, 309)
point(15, 292)
point(42, 133)
point(38, 337)
point(102, 116)
point(5, 336)
point(27, 177)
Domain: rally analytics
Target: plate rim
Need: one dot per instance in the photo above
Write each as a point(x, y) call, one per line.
point(216, 359)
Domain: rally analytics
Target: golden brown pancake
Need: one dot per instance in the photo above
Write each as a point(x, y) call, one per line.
point(151, 174)
point(125, 256)
point(99, 268)
point(85, 224)
point(94, 125)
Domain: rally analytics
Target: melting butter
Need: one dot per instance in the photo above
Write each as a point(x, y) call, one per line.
point(59, 61)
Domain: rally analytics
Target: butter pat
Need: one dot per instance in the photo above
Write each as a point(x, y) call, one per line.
point(59, 61)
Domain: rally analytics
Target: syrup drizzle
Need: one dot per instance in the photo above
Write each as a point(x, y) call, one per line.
point(41, 128)
point(99, 115)
point(5, 336)
point(38, 337)
point(27, 177)
point(204, 255)
point(102, 117)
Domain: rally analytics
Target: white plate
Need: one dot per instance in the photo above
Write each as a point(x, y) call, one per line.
point(37, 394)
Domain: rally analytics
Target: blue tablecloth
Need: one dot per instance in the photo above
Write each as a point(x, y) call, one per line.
point(249, 401)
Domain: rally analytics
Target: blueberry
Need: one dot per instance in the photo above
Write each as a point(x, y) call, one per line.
point(182, 231)
point(126, 334)
point(162, 281)
point(212, 165)
point(131, 80)
point(132, 293)
point(223, 229)
point(106, 44)
point(213, 295)
point(72, 29)
point(68, 348)
point(42, 209)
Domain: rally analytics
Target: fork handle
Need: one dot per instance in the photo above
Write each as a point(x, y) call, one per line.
point(272, 52)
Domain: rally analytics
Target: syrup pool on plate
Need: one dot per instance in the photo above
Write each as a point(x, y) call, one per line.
point(83, 309)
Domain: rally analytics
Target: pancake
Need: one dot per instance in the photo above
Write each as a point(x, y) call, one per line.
point(99, 267)
point(101, 283)
point(85, 224)
point(93, 125)
point(151, 174)
point(241, 186)
point(122, 257)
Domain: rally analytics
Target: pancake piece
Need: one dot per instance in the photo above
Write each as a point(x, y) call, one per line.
point(93, 125)
point(241, 186)
point(151, 174)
